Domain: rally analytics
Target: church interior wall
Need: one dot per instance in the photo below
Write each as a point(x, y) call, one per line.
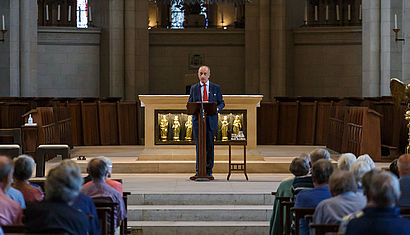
point(5, 55)
point(68, 62)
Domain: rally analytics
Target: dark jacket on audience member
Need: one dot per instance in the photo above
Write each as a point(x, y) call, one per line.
point(58, 217)
point(85, 204)
point(379, 221)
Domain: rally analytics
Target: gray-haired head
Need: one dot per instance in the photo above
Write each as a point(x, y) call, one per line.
point(367, 180)
point(318, 154)
point(108, 162)
point(321, 171)
point(23, 167)
point(63, 182)
point(384, 190)
point(359, 168)
point(6, 170)
point(299, 166)
point(366, 158)
point(345, 161)
point(97, 168)
point(341, 182)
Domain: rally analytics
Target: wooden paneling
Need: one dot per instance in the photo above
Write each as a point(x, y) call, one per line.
point(288, 122)
point(127, 123)
point(306, 123)
point(107, 114)
point(89, 117)
point(268, 123)
point(322, 121)
point(76, 123)
point(12, 112)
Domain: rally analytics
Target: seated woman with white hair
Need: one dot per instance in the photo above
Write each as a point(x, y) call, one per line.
point(23, 169)
point(359, 169)
point(366, 158)
point(345, 161)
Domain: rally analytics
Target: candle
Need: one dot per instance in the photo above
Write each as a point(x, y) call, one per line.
point(90, 18)
point(360, 12)
point(222, 16)
point(47, 18)
point(3, 23)
point(58, 12)
point(327, 12)
point(306, 13)
point(395, 21)
point(316, 16)
point(337, 12)
point(348, 12)
point(69, 13)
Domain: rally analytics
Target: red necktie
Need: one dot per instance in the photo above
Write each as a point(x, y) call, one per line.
point(205, 96)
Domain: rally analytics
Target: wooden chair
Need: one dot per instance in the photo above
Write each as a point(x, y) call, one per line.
point(11, 150)
point(287, 205)
point(107, 202)
point(281, 214)
point(300, 213)
point(103, 218)
point(124, 226)
point(322, 229)
point(45, 149)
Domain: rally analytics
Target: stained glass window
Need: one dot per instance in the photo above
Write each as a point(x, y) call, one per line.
point(82, 13)
point(178, 14)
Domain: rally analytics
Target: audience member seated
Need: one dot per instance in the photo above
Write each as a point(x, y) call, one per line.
point(305, 182)
point(16, 196)
point(84, 203)
point(345, 199)
point(404, 170)
point(298, 167)
point(54, 214)
point(113, 183)
point(24, 166)
point(345, 161)
point(310, 198)
point(393, 168)
point(98, 188)
point(359, 168)
point(381, 216)
point(366, 180)
point(10, 210)
point(366, 158)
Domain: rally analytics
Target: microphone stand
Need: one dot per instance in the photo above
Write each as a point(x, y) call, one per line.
point(203, 135)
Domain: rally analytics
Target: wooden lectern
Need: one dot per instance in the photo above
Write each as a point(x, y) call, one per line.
point(201, 110)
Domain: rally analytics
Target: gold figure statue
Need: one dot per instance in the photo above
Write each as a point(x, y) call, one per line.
point(224, 128)
point(401, 93)
point(237, 125)
point(164, 128)
point(177, 127)
point(188, 129)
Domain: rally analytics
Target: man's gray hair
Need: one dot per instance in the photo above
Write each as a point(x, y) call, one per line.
point(6, 168)
point(341, 182)
point(97, 168)
point(64, 182)
point(299, 166)
point(319, 154)
point(345, 161)
point(366, 158)
point(23, 167)
point(108, 162)
point(359, 168)
point(384, 189)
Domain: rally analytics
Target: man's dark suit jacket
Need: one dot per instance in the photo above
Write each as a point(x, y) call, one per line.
point(215, 95)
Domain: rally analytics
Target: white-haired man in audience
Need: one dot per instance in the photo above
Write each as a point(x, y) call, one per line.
point(113, 183)
point(99, 189)
point(306, 182)
point(10, 210)
point(345, 161)
point(366, 158)
point(54, 214)
point(381, 216)
point(345, 199)
point(403, 165)
point(359, 168)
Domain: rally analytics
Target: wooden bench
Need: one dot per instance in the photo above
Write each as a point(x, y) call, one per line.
point(322, 229)
point(43, 150)
point(300, 213)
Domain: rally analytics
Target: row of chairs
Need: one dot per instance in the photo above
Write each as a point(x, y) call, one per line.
point(287, 209)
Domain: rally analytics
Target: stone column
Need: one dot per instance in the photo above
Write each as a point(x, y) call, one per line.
point(28, 48)
point(14, 35)
point(5, 51)
point(252, 80)
point(371, 48)
point(404, 33)
point(116, 48)
point(264, 49)
point(278, 48)
point(130, 50)
point(142, 48)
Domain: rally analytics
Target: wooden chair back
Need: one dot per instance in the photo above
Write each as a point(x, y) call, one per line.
point(322, 229)
point(281, 212)
point(107, 202)
point(103, 213)
point(300, 213)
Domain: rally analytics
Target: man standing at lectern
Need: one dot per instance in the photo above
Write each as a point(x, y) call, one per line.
point(208, 92)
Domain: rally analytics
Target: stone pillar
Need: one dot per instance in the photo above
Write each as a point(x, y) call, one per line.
point(5, 51)
point(116, 48)
point(142, 48)
point(130, 50)
point(252, 80)
point(278, 48)
point(14, 36)
point(264, 49)
point(28, 48)
point(404, 33)
point(371, 48)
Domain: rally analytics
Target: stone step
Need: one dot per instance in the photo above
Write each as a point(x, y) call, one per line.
point(199, 227)
point(199, 212)
point(201, 199)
